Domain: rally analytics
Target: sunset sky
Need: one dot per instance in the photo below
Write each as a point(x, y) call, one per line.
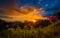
point(19, 10)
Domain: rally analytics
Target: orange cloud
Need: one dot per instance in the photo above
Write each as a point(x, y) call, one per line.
point(26, 12)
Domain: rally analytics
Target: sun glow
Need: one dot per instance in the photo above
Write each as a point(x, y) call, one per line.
point(28, 13)
point(34, 21)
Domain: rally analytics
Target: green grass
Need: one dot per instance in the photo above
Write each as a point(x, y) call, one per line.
point(46, 32)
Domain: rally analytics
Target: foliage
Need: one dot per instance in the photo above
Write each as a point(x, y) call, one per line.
point(49, 31)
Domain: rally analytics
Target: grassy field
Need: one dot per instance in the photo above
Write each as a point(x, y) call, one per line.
point(51, 31)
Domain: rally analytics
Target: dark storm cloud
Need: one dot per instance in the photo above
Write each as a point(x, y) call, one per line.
point(8, 3)
point(6, 6)
point(1, 11)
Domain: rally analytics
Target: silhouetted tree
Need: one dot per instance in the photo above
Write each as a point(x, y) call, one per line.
point(57, 14)
point(42, 23)
point(3, 25)
point(20, 24)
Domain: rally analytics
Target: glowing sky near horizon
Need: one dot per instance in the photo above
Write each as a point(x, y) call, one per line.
point(14, 10)
point(28, 15)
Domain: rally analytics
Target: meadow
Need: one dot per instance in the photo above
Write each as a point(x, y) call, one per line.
point(50, 31)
